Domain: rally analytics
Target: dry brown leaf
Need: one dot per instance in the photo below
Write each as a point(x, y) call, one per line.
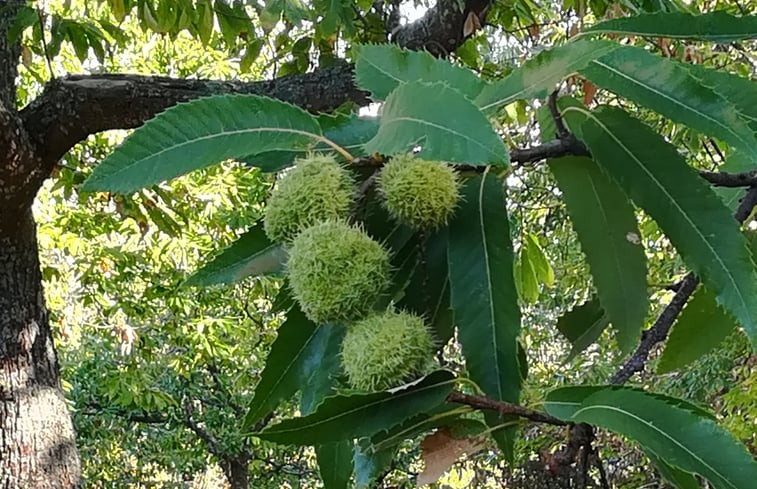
point(590, 90)
point(472, 23)
point(440, 451)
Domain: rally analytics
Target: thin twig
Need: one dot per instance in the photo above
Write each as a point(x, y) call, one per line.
point(560, 128)
point(504, 408)
point(44, 43)
point(600, 466)
point(659, 331)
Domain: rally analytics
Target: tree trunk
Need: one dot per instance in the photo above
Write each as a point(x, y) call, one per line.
point(237, 471)
point(37, 441)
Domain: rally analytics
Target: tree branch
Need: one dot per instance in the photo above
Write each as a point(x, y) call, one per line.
point(9, 54)
point(568, 146)
point(504, 408)
point(213, 445)
point(659, 331)
point(72, 108)
point(444, 27)
point(725, 179)
point(19, 168)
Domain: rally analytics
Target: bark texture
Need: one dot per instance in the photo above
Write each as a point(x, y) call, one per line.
point(37, 442)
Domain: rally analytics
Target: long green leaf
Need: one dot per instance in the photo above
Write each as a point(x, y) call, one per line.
point(335, 464)
point(715, 26)
point(701, 228)
point(564, 402)
point(582, 325)
point(700, 328)
point(605, 223)
point(483, 296)
point(321, 367)
point(252, 254)
point(200, 133)
point(284, 371)
point(739, 91)
point(678, 436)
point(669, 88)
point(606, 226)
point(439, 119)
point(675, 476)
point(382, 68)
point(540, 75)
point(345, 417)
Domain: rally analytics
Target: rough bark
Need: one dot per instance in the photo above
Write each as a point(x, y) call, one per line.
point(9, 51)
point(237, 471)
point(443, 28)
point(37, 442)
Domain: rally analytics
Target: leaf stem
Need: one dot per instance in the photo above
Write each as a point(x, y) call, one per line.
point(345, 154)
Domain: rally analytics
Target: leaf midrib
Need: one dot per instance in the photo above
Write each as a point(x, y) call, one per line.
point(616, 253)
point(653, 427)
point(676, 206)
point(444, 128)
point(207, 137)
point(359, 408)
point(288, 368)
point(492, 318)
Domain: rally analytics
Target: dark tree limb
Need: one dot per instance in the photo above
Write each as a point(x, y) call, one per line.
point(658, 332)
point(561, 130)
point(72, 108)
point(20, 173)
point(504, 408)
point(9, 54)
point(725, 179)
point(660, 329)
point(444, 27)
point(568, 146)
point(581, 436)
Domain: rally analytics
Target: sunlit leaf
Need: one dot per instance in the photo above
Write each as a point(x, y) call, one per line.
point(381, 68)
point(200, 133)
point(439, 119)
point(252, 254)
point(350, 416)
point(717, 26)
point(669, 88)
point(656, 177)
point(540, 75)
